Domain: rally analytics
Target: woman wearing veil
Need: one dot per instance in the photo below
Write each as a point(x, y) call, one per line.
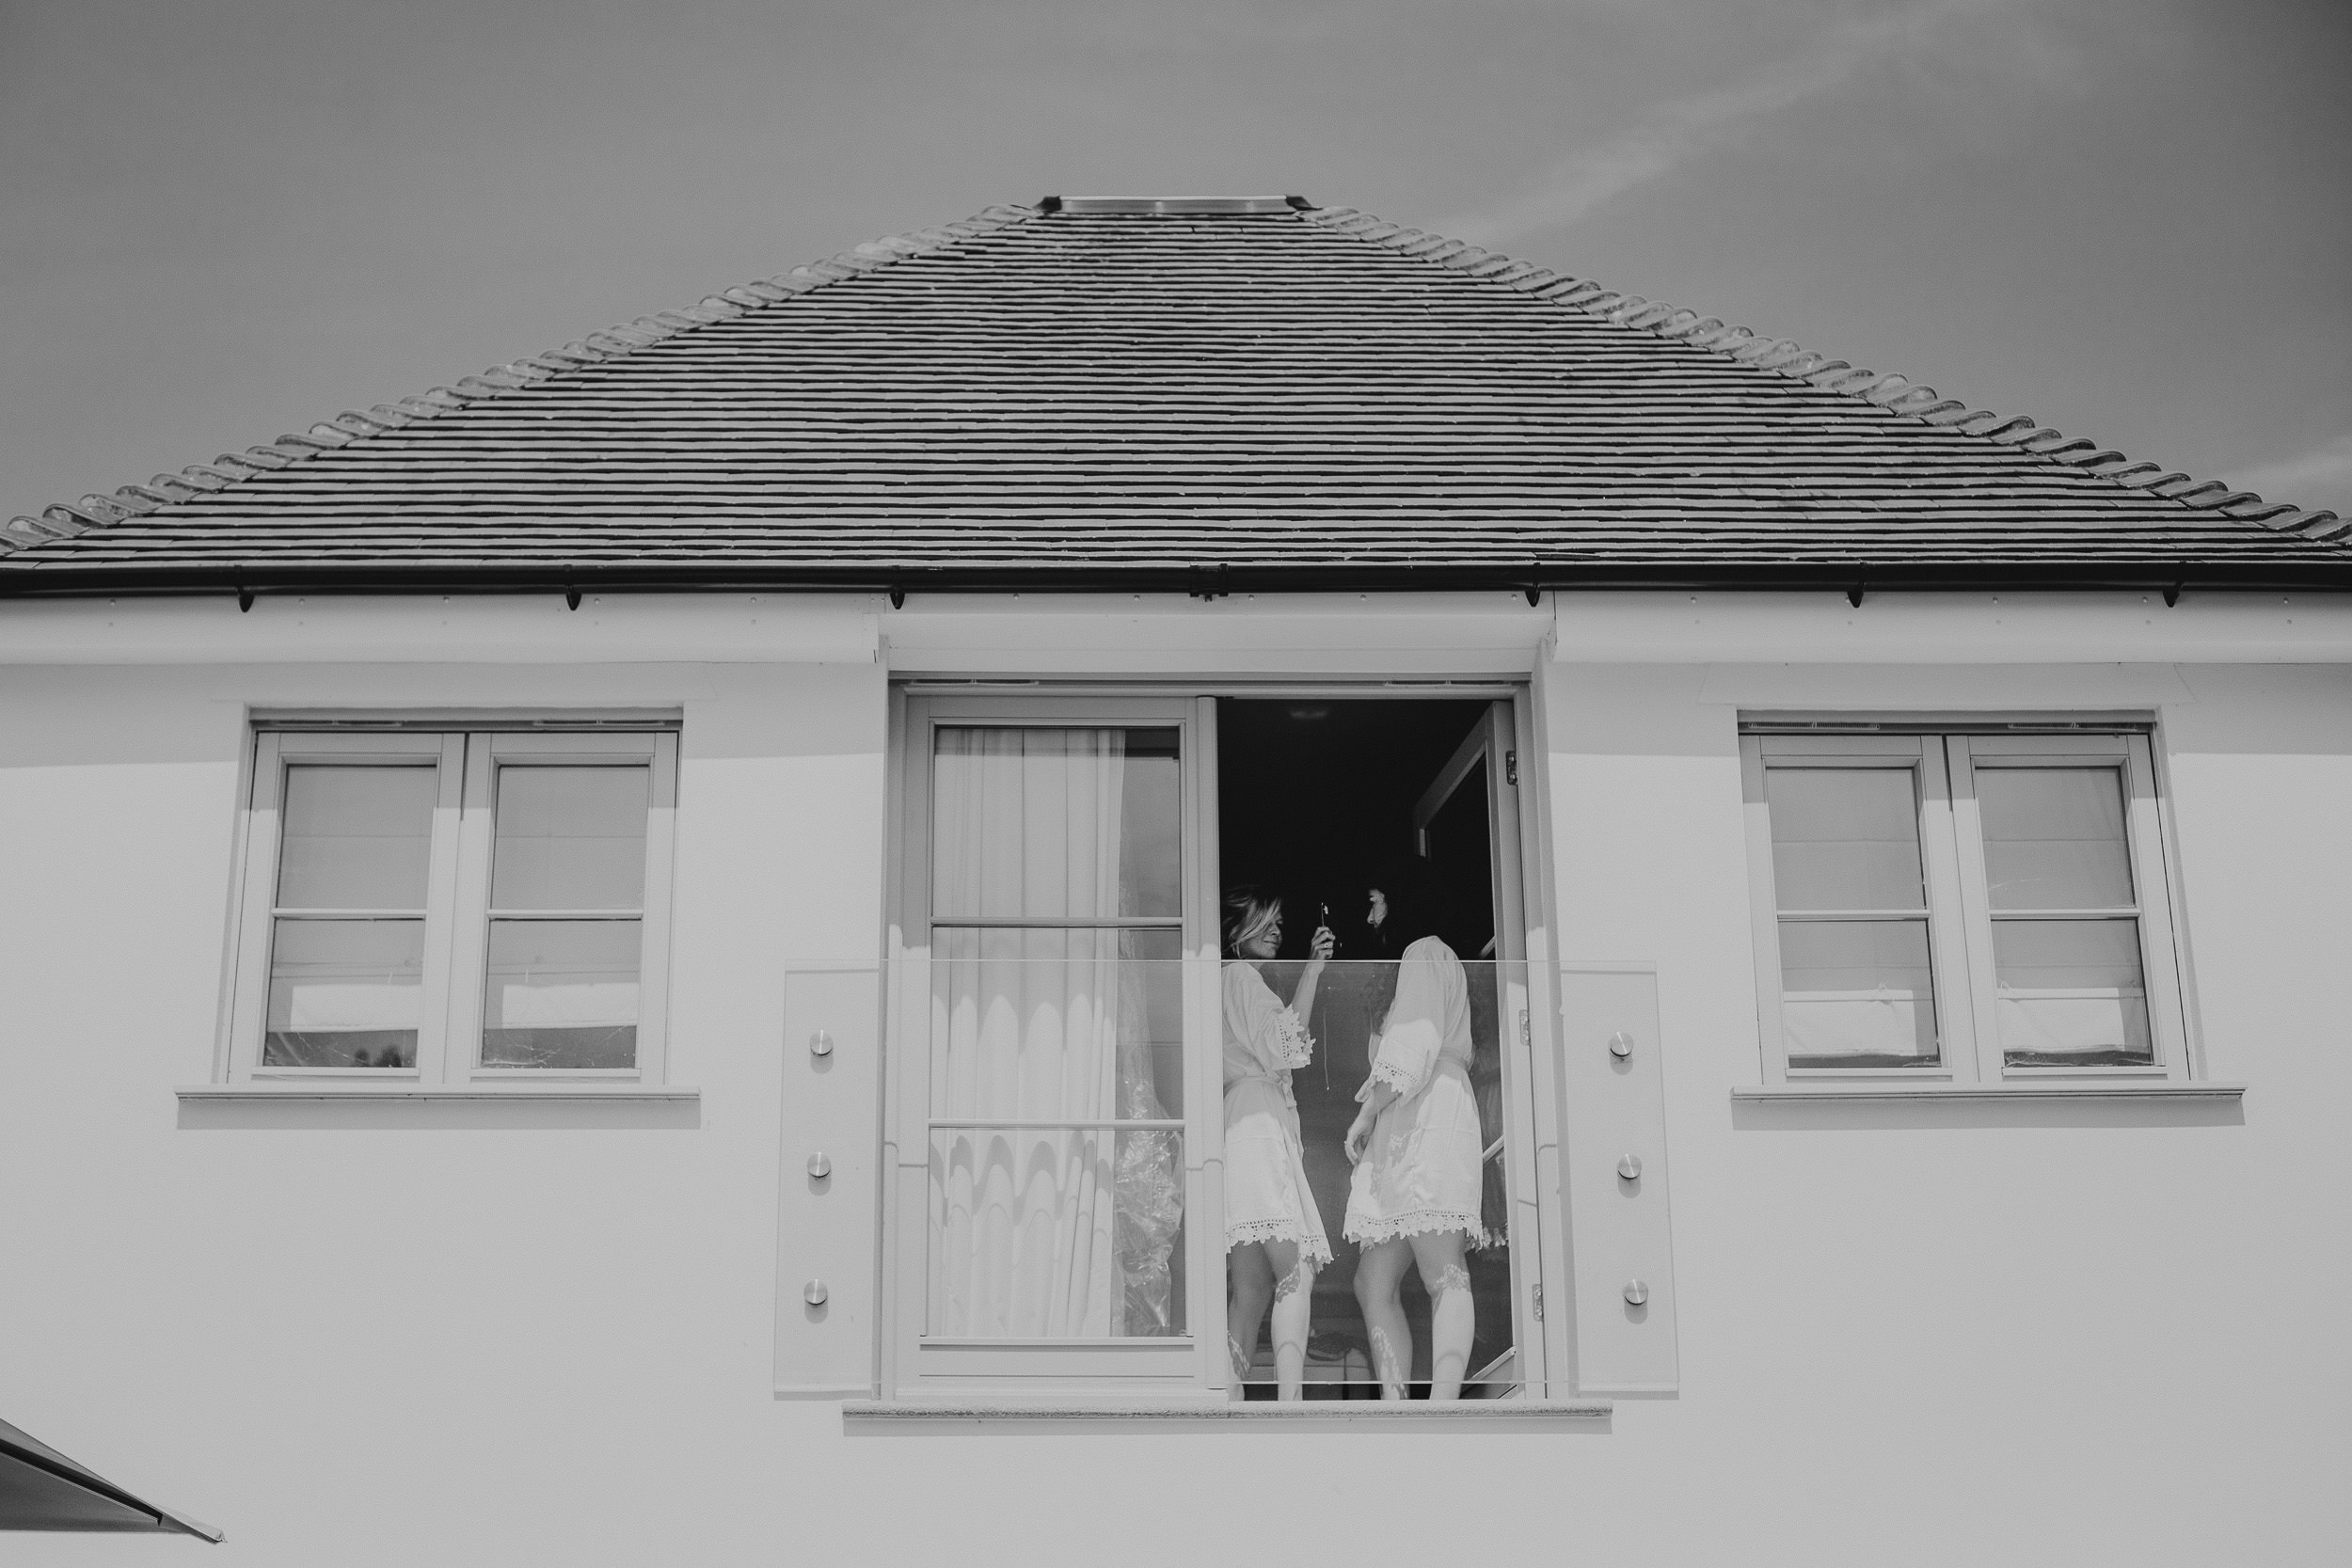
point(1416, 1147)
point(1274, 1237)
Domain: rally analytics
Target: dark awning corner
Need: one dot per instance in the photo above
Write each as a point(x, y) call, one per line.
point(43, 1489)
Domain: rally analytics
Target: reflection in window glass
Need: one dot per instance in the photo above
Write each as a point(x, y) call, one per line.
point(344, 993)
point(570, 838)
point(1845, 838)
point(2071, 993)
point(2054, 838)
point(1857, 993)
point(356, 838)
point(562, 993)
point(1854, 994)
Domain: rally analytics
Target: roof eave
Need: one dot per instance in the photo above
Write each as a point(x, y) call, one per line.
point(1850, 578)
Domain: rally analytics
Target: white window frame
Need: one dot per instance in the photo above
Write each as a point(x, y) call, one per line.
point(1945, 760)
point(914, 1361)
point(456, 911)
point(1194, 1367)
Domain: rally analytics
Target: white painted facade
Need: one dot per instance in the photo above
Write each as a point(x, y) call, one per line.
point(520, 1330)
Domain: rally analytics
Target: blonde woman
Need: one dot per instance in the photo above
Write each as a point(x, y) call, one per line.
point(1274, 1237)
point(1413, 1199)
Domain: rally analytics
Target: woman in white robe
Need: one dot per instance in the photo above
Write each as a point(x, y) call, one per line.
point(1274, 1236)
point(1417, 1148)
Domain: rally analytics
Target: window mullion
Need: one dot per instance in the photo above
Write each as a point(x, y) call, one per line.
point(1764, 909)
point(250, 1007)
point(467, 922)
point(1960, 933)
point(2151, 890)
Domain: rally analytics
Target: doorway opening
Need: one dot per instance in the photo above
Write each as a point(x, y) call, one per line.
point(1317, 798)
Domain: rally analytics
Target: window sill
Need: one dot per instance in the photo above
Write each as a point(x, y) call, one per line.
point(411, 1106)
point(1989, 1093)
point(878, 1415)
point(278, 1090)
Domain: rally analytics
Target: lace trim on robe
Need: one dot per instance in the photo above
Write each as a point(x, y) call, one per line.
point(1422, 1222)
point(1392, 1074)
point(1314, 1246)
point(1293, 1046)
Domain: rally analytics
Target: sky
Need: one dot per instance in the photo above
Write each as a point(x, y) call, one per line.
point(224, 219)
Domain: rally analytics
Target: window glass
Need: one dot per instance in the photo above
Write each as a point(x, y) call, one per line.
point(1057, 1207)
point(562, 993)
point(1845, 838)
point(2054, 838)
point(1858, 993)
point(1854, 992)
point(1056, 1023)
point(570, 838)
point(344, 993)
point(2071, 993)
point(1056, 823)
point(1054, 1233)
point(356, 838)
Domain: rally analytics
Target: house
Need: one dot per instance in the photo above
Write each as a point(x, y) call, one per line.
point(620, 963)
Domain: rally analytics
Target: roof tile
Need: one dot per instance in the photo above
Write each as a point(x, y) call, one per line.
point(1050, 396)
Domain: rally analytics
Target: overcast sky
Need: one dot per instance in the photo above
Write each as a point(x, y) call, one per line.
point(222, 219)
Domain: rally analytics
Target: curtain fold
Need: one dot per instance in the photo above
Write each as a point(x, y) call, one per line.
point(1036, 1233)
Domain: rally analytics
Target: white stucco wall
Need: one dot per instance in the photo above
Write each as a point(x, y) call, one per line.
point(1927, 1334)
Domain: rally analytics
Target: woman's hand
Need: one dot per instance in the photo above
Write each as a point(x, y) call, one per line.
point(1319, 950)
point(1358, 1135)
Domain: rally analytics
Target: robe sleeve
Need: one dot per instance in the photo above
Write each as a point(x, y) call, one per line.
point(1407, 1051)
point(1256, 1016)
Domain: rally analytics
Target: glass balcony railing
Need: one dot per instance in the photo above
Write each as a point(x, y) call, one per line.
point(1090, 1101)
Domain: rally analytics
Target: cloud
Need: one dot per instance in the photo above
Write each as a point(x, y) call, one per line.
point(2320, 477)
point(1684, 128)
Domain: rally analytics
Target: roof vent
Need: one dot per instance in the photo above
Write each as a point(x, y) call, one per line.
point(1179, 207)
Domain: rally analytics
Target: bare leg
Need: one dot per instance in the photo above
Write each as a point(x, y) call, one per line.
point(1379, 1274)
point(1453, 1315)
point(1250, 1276)
point(1294, 1304)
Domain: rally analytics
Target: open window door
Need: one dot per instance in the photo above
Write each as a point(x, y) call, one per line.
point(1466, 827)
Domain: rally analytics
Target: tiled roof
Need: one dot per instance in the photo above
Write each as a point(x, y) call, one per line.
point(1210, 395)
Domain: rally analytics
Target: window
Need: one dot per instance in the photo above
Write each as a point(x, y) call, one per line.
point(451, 908)
point(1976, 907)
point(1064, 1051)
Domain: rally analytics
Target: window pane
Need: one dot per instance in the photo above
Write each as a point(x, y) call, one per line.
point(570, 838)
point(1845, 838)
point(2054, 837)
point(1056, 1235)
point(1077, 1025)
point(1058, 823)
point(562, 993)
point(2071, 993)
point(1857, 993)
point(356, 838)
point(344, 993)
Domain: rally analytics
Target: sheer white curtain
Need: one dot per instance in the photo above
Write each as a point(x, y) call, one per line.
point(1027, 1026)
